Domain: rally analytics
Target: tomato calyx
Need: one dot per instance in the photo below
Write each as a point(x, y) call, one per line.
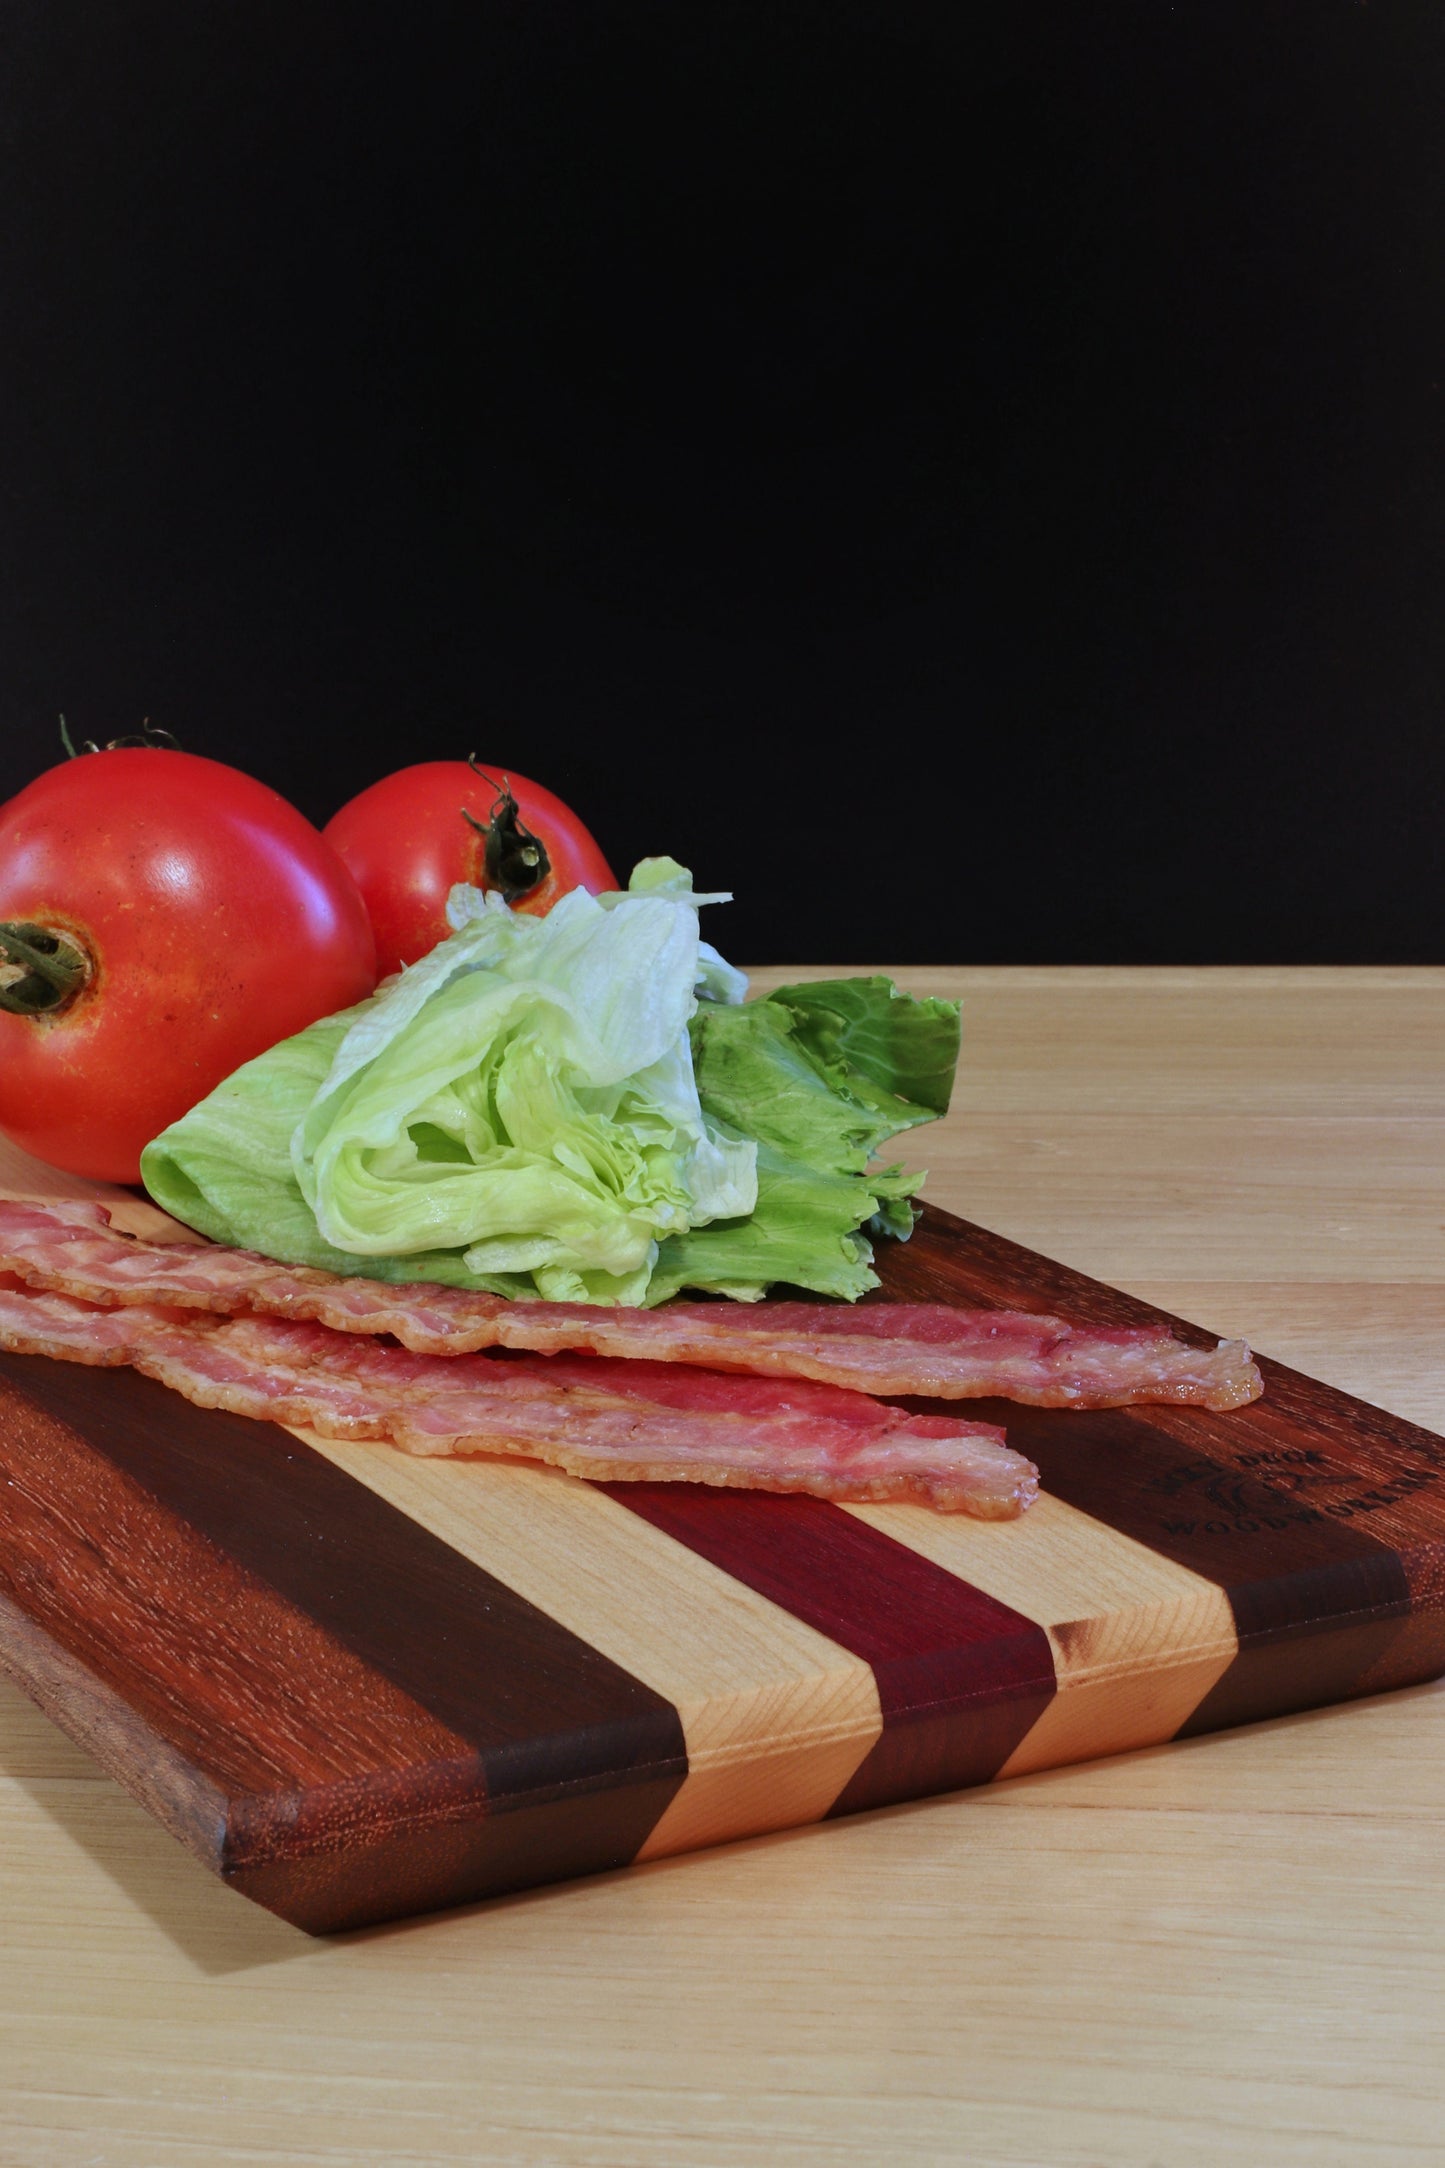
point(149, 734)
point(41, 971)
point(514, 860)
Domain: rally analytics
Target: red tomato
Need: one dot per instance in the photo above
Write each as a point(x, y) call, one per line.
point(211, 920)
point(408, 840)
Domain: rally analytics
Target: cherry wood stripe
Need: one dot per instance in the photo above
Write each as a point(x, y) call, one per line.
point(1381, 1475)
point(961, 1677)
point(1371, 1482)
point(776, 1716)
point(531, 1727)
point(255, 1737)
point(173, 1621)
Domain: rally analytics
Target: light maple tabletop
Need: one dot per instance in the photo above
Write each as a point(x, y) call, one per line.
point(1230, 1948)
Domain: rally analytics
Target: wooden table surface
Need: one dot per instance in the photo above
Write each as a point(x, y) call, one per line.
point(1232, 1949)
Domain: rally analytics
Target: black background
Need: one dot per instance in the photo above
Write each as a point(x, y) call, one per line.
point(966, 478)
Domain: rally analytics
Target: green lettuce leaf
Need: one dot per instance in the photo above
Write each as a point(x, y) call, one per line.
point(807, 1230)
point(823, 1075)
point(894, 1051)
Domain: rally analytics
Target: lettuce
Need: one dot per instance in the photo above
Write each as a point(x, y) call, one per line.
point(822, 1076)
point(520, 1103)
point(578, 1108)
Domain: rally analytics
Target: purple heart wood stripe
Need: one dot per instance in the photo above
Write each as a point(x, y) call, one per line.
point(960, 1676)
point(359, 1684)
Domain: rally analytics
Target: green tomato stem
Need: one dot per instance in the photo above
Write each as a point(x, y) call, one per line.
point(41, 971)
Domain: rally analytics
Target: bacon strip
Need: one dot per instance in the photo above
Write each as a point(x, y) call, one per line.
point(891, 1349)
point(639, 1422)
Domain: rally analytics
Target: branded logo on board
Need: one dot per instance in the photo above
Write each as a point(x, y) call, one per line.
point(1282, 1476)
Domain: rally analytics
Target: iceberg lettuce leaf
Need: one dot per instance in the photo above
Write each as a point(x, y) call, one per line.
point(546, 1108)
point(521, 1102)
point(225, 1168)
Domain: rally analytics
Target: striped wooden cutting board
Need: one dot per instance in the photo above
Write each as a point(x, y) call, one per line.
point(359, 1685)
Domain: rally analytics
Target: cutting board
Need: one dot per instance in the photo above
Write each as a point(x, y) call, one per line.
point(358, 1685)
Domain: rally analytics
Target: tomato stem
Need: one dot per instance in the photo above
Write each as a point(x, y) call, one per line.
point(149, 734)
point(41, 971)
point(514, 859)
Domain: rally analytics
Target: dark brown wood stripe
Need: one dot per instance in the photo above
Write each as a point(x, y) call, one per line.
point(530, 1725)
point(1316, 1602)
point(1292, 1506)
point(961, 1677)
point(1359, 1470)
point(951, 1260)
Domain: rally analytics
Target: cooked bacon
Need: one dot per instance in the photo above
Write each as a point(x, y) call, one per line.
point(890, 1348)
point(638, 1422)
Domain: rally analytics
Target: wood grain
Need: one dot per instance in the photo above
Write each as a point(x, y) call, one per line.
point(960, 1676)
point(1137, 1640)
point(1228, 1949)
point(1318, 1524)
point(775, 1716)
point(389, 1727)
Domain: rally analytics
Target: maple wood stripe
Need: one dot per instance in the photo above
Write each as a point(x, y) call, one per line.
point(1138, 1641)
point(776, 1716)
point(566, 1742)
point(960, 1676)
point(1316, 1601)
point(1322, 1603)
